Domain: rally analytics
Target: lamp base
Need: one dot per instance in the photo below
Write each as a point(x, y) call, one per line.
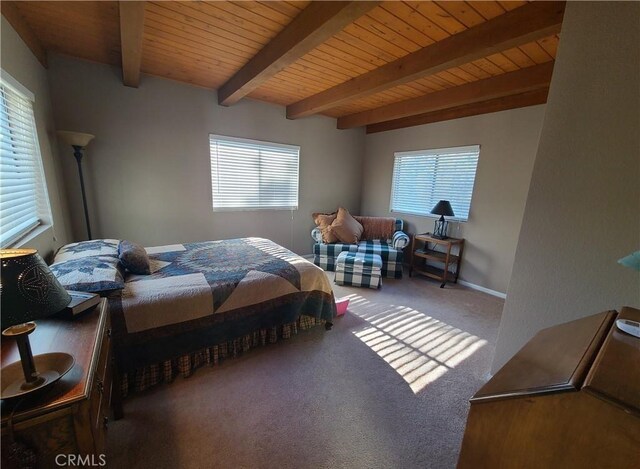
point(440, 229)
point(56, 365)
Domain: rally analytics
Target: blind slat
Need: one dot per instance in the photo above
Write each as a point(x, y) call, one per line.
point(21, 184)
point(249, 174)
point(422, 178)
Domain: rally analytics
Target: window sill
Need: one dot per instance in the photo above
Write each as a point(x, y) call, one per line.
point(31, 235)
point(255, 209)
point(432, 216)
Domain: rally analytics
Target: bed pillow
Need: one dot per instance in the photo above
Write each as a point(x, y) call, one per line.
point(323, 221)
point(346, 228)
point(94, 247)
point(97, 274)
point(134, 258)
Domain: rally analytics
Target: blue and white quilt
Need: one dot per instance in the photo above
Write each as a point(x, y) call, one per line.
point(200, 294)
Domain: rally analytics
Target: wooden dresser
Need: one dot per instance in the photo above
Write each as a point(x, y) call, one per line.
point(71, 417)
point(569, 399)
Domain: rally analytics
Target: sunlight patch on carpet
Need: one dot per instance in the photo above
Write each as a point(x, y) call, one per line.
point(418, 347)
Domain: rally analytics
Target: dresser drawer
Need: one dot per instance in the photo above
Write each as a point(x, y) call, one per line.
point(100, 419)
point(101, 392)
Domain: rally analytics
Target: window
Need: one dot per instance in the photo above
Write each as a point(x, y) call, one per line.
point(251, 175)
point(422, 178)
point(23, 195)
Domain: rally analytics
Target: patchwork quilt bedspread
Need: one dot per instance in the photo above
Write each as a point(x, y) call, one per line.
point(202, 294)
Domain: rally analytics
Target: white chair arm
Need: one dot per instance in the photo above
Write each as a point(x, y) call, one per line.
point(400, 240)
point(316, 234)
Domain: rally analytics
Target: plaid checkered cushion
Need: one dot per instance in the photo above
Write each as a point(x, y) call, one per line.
point(391, 258)
point(358, 279)
point(358, 269)
point(359, 262)
point(324, 255)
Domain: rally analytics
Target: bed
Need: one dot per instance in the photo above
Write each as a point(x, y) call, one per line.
point(202, 302)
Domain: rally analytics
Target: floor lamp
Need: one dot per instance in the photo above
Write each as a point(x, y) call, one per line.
point(78, 141)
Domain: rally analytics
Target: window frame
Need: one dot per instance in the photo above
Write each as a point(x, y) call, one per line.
point(255, 142)
point(42, 202)
point(435, 152)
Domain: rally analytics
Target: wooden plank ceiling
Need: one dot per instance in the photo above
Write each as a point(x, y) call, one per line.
point(383, 65)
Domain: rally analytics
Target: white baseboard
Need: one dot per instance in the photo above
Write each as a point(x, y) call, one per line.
point(473, 286)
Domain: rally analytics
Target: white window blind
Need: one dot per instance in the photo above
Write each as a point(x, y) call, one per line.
point(422, 178)
point(22, 189)
point(250, 174)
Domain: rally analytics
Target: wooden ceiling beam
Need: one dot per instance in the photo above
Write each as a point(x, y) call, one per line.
point(520, 81)
point(131, 30)
point(528, 23)
point(530, 98)
point(313, 26)
point(12, 14)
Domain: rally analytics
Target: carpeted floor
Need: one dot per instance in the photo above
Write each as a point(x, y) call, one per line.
point(386, 388)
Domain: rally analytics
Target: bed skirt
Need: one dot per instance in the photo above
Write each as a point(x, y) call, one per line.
point(184, 365)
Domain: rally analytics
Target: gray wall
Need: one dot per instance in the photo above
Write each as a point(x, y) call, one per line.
point(148, 170)
point(17, 60)
point(583, 207)
point(508, 140)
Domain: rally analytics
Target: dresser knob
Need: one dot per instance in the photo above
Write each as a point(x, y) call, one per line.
point(109, 332)
point(105, 422)
point(100, 386)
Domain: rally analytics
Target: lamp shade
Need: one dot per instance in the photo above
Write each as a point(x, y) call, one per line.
point(28, 288)
point(77, 139)
point(443, 208)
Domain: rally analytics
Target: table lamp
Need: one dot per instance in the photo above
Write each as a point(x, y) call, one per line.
point(29, 291)
point(441, 226)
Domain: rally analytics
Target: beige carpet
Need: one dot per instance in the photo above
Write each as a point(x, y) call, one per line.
point(386, 388)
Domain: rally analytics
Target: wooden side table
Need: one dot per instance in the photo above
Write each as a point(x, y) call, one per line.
point(71, 417)
point(423, 258)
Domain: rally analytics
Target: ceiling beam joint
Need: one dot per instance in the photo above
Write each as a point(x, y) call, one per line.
point(131, 33)
point(313, 26)
point(525, 24)
point(530, 98)
point(520, 81)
